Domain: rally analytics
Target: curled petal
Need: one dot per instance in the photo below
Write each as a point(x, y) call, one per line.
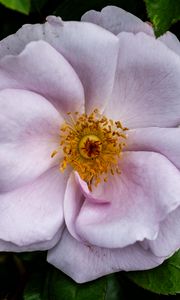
point(73, 200)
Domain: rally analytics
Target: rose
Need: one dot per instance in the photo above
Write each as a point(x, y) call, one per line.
point(121, 74)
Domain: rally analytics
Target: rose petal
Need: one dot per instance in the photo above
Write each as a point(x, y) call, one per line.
point(96, 61)
point(39, 246)
point(40, 68)
point(93, 55)
point(116, 20)
point(33, 214)
point(86, 262)
point(171, 41)
point(146, 90)
point(29, 133)
point(15, 43)
point(163, 140)
point(168, 239)
point(73, 200)
point(129, 207)
point(75, 194)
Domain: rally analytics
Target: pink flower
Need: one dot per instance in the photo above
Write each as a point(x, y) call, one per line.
point(94, 220)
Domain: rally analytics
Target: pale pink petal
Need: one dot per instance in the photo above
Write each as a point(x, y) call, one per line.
point(40, 68)
point(116, 20)
point(85, 262)
point(33, 215)
point(96, 61)
point(39, 246)
point(73, 200)
point(162, 140)
point(168, 239)
point(170, 40)
point(93, 55)
point(146, 90)
point(75, 194)
point(130, 206)
point(29, 133)
point(15, 43)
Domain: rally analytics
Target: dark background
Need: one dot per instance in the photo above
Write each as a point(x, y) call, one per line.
point(11, 21)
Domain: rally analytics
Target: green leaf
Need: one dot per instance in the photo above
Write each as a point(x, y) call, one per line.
point(164, 279)
point(163, 13)
point(35, 287)
point(22, 6)
point(64, 288)
point(114, 288)
point(36, 266)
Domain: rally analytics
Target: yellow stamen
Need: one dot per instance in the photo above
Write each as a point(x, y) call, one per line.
point(92, 145)
point(54, 153)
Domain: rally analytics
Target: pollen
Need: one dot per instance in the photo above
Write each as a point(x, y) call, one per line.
point(92, 145)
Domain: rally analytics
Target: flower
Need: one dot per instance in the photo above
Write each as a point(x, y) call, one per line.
point(90, 138)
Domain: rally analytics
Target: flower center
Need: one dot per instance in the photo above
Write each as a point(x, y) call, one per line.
point(92, 145)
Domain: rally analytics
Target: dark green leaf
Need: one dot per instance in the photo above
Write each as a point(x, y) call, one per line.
point(22, 6)
point(164, 279)
point(37, 273)
point(114, 288)
point(163, 13)
point(35, 288)
point(64, 288)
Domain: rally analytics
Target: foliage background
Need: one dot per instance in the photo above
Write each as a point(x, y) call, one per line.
point(27, 276)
